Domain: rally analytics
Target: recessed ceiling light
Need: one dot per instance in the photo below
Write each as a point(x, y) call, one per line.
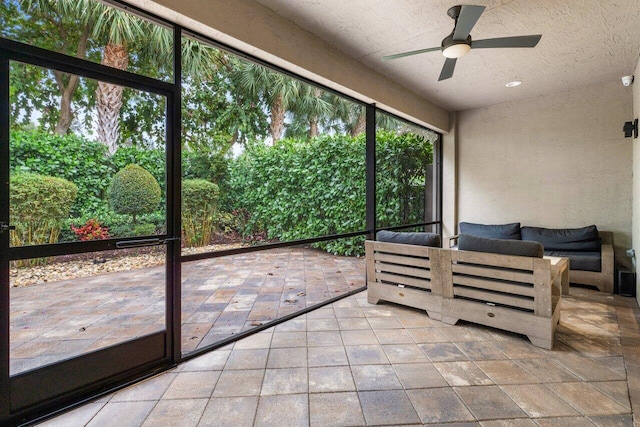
point(514, 83)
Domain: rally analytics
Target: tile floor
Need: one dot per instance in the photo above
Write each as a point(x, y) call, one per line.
point(355, 364)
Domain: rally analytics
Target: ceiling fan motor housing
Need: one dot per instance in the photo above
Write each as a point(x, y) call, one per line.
point(455, 48)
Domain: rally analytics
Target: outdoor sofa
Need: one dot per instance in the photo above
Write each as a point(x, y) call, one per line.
point(506, 284)
point(590, 251)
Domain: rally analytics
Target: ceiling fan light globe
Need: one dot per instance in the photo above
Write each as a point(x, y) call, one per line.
point(456, 50)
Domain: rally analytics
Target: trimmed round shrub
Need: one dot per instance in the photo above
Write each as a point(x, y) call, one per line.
point(38, 206)
point(199, 208)
point(134, 191)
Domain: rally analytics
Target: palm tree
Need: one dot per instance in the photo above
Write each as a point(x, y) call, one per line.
point(119, 33)
point(277, 90)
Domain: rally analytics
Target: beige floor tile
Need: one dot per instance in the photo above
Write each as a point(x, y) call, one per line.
point(489, 402)
point(76, 417)
point(546, 370)
point(330, 324)
point(521, 422)
point(387, 407)
point(122, 414)
point(587, 399)
point(427, 335)
point(229, 412)
point(190, 385)
point(176, 413)
point(405, 353)
point(256, 341)
point(462, 374)
point(239, 383)
point(288, 339)
point(335, 409)
point(359, 337)
point(285, 381)
point(589, 369)
point(443, 352)
point(369, 354)
point(283, 410)
point(151, 389)
point(375, 377)
point(294, 357)
point(323, 338)
point(419, 375)
point(330, 379)
point(565, 422)
point(463, 333)
point(389, 322)
point(538, 401)
point(481, 350)
point(617, 390)
point(327, 356)
point(247, 359)
point(348, 324)
point(506, 372)
point(439, 405)
point(394, 336)
point(212, 361)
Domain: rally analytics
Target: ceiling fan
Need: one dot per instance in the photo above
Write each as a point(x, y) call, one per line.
point(459, 42)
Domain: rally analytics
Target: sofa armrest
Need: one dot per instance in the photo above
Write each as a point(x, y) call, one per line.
point(453, 241)
point(607, 261)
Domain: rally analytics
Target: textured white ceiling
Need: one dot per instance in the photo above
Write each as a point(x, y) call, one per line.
point(583, 42)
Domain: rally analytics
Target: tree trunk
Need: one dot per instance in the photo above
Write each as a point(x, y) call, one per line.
point(360, 126)
point(277, 119)
point(68, 89)
point(109, 98)
point(313, 120)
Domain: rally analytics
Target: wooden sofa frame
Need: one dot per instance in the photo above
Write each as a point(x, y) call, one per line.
point(517, 294)
point(402, 274)
point(604, 278)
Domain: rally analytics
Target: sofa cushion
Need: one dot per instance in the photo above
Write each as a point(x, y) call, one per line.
point(467, 242)
point(584, 239)
point(491, 231)
point(422, 239)
point(583, 261)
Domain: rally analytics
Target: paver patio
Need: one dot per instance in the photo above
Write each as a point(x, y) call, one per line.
point(220, 297)
point(352, 363)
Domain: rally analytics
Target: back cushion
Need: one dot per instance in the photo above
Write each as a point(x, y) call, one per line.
point(492, 231)
point(467, 242)
point(421, 239)
point(583, 239)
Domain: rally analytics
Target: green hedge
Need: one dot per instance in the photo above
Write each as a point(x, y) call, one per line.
point(299, 189)
point(38, 207)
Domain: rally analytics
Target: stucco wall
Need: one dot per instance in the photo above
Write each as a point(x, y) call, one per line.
point(636, 177)
point(553, 161)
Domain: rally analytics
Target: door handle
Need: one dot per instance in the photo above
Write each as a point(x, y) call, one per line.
point(4, 227)
point(138, 243)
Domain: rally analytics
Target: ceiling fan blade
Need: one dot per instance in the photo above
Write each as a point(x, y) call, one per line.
point(517, 41)
point(447, 69)
point(413, 52)
point(468, 17)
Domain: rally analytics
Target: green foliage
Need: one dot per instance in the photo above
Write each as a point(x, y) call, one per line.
point(75, 159)
point(402, 161)
point(134, 191)
point(199, 208)
point(296, 190)
point(38, 206)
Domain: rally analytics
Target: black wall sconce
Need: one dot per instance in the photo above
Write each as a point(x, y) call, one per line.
point(631, 129)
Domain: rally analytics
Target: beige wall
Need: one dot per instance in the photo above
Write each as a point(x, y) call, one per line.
point(636, 177)
point(254, 29)
point(552, 161)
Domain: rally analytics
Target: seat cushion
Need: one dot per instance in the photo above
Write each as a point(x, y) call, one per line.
point(584, 239)
point(421, 239)
point(491, 231)
point(468, 242)
point(583, 261)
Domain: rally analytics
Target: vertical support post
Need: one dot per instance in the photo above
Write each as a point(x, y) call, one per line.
point(5, 390)
point(436, 194)
point(174, 204)
point(371, 171)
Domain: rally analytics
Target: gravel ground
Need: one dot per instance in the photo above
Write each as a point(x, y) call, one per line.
point(84, 265)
